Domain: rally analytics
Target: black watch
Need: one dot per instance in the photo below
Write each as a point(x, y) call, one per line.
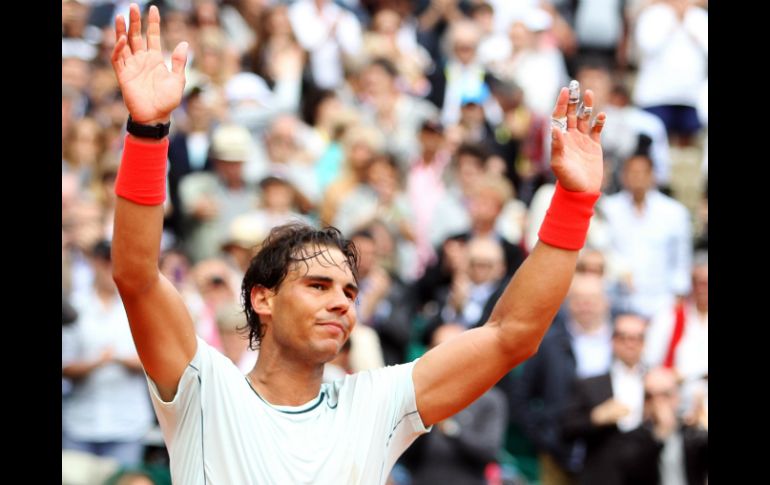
point(156, 132)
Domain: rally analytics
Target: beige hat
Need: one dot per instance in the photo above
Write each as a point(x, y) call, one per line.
point(231, 143)
point(245, 231)
point(230, 317)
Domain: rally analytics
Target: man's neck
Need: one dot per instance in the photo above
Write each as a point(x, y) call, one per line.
point(639, 200)
point(282, 381)
point(483, 229)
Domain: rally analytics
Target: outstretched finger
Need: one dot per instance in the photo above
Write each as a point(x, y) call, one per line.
point(119, 53)
point(120, 27)
point(135, 29)
point(596, 131)
point(120, 31)
point(179, 58)
point(572, 104)
point(557, 144)
point(584, 115)
point(153, 29)
point(559, 114)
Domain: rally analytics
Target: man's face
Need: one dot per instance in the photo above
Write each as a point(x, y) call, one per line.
point(278, 196)
point(586, 301)
point(700, 283)
point(485, 207)
point(464, 47)
point(598, 81)
point(637, 175)
point(628, 339)
point(469, 171)
point(311, 314)
point(485, 261)
point(660, 386)
point(367, 255)
point(230, 172)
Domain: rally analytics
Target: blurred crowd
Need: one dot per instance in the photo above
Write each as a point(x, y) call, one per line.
point(420, 129)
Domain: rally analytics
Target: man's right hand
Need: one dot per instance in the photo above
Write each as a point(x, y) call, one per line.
point(151, 92)
point(608, 412)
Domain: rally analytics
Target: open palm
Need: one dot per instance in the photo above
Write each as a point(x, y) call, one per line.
point(576, 153)
point(149, 89)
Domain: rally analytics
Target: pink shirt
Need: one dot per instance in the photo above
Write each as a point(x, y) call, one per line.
point(425, 187)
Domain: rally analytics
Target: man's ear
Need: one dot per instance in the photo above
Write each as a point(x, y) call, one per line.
point(262, 300)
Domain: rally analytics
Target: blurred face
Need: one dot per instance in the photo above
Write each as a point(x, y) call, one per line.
point(591, 262)
point(118, 113)
point(521, 37)
point(74, 72)
point(367, 254)
point(212, 278)
point(700, 285)
point(85, 144)
point(587, 302)
point(199, 113)
point(103, 84)
point(207, 13)
point(311, 315)
point(386, 22)
point(484, 207)
point(485, 261)
point(464, 48)
point(471, 114)
point(327, 109)
point(430, 140)
point(469, 171)
point(376, 81)
point(360, 154)
point(597, 80)
point(383, 179)
point(660, 387)
point(279, 24)
point(278, 196)
point(637, 176)
point(210, 61)
point(628, 339)
point(85, 224)
point(73, 17)
point(175, 29)
point(230, 172)
point(280, 146)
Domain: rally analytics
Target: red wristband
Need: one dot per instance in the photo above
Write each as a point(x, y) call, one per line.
point(142, 172)
point(566, 222)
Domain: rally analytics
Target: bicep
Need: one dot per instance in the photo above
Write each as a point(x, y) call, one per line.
point(451, 376)
point(163, 333)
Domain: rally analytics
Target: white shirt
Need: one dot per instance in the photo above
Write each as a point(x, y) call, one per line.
point(313, 30)
point(674, 56)
point(110, 403)
point(691, 359)
point(218, 430)
point(655, 245)
point(628, 389)
point(460, 79)
point(593, 351)
point(599, 23)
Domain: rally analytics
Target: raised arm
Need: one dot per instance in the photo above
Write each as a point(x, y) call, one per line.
point(160, 323)
point(454, 374)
